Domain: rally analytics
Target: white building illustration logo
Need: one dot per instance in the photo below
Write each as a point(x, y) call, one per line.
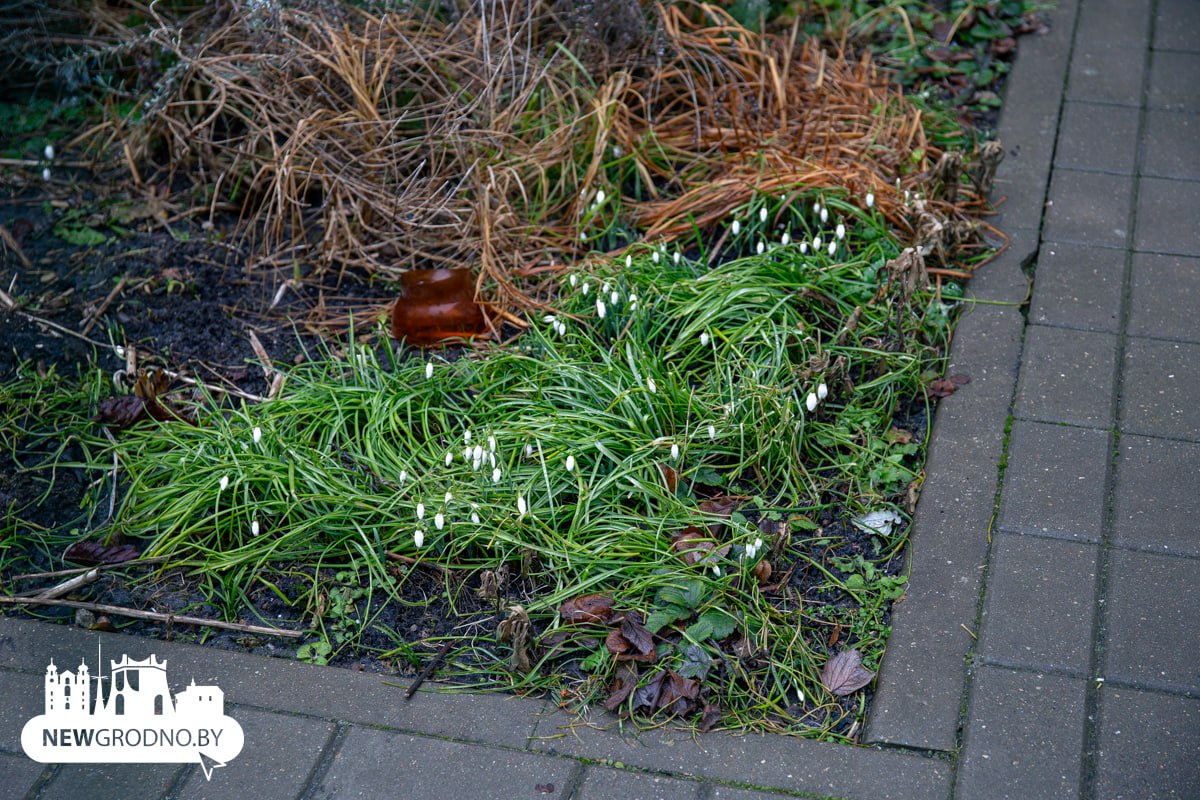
point(136, 721)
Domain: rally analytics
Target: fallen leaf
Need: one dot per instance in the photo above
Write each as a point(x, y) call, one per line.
point(120, 412)
point(616, 643)
point(898, 436)
point(670, 477)
point(635, 632)
point(587, 608)
point(696, 547)
point(844, 673)
point(944, 387)
point(721, 506)
point(90, 554)
point(709, 717)
point(762, 572)
point(544, 788)
point(515, 630)
point(623, 685)
point(647, 695)
point(679, 694)
point(436, 304)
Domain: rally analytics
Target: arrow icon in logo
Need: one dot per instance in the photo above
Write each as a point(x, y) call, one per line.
point(208, 765)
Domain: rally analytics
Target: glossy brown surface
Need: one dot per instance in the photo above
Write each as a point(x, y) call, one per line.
point(437, 304)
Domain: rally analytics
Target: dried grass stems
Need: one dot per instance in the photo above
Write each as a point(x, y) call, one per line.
point(387, 142)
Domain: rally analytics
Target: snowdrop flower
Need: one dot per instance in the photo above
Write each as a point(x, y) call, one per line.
point(428, 370)
point(654, 256)
point(716, 570)
point(832, 248)
point(528, 450)
point(223, 484)
point(736, 227)
point(628, 261)
point(616, 151)
point(572, 280)
point(758, 544)
point(759, 249)
point(474, 517)
point(633, 299)
point(496, 475)
point(419, 537)
point(570, 463)
point(585, 287)
point(817, 243)
point(651, 385)
point(477, 453)
point(45, 173)
point(467, 436)
point(492, 459)
point(562, 328)
point(762, 214)
point(783, 240)
point(817, 207)
point(254, 527)
point(870, 199)
point(403, 475)
point(841, 231)
point(811, 401)
point(491, 443)
point(674, 452)
point(49, 152)
point(521, 507)
point(678, 256)
point(256, 435)
point(803, 248)
point(712, 431)
point(704, 338)
point(439, 520)
point(601, 197)
point(549, 319)
point(582, 236)
point(449, 496)
point(601, 309)
point(466, 454)
point(907, 197)
point(614, 297)
point(420, 511)
point(449, 458)
point(824, 215)
point(822, 391)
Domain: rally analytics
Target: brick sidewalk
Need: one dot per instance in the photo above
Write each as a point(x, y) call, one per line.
point(1049, 650)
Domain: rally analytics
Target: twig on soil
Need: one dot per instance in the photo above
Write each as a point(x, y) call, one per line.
point(91, 319)
point(61, 573)
point(437, 659)
point(175, 376)
point(416, 562)
point(66, 587)
point(135, 613)
point(15, 246)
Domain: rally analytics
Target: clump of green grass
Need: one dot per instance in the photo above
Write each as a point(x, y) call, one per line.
point(575, 459)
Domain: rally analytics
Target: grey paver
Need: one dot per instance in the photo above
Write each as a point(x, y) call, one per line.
point(1067, 376)
point(921, 683)
point(600, 783)
point(1156, 499)
point(17, 776)
point(1178, 25)
point(1088, 208)
point(372, 764)
point(1040, 603)
point(777, 762)
point(1170, 145)
point(1165, 297)
point(1004, 279)
point(1078, 286)
point(1154, 620)
point(1158, 396)
point(728, 793)
point(111, 781)
point(1123, 22)
point(1106, 73)
point(1147, 746)
point(24, 699)
point(1174, 81)
point(1167, 217)
point(1055, 483)
point(1097, 137)
point(279, 754)
point(1024, 740)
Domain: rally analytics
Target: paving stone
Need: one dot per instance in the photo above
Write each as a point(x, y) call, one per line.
point(372, 764)
point(922, 679)
point(1078, 286)
point(1174, 81)
point(1158, 396)
point(1123, 22)
point(1153, 620)
point(1102, 72)
point(275, 684)
point(1170, 144)
point(728, 793)
point(17, 776)
point(24, 698)
point(276, 761)
point(111, 781)
point(1003, 279)
point(1177, 25)
point(1055, 481)
point(1156, 505)
point(1024, 740)
point(1165, 297)
point(1039, 605)
point(1167, 218)
point(1067, 376)
point(776, 762)
point(1097, 137)
point(1147, 746)
point(1088, 208)
point(619, 784)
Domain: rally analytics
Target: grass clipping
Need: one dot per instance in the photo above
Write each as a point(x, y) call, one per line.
point(397, 141)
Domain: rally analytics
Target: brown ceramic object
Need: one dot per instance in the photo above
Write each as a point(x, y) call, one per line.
point(436, 304)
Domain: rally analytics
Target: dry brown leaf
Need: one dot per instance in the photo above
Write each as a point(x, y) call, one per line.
point(844, 673)
point(587, 608)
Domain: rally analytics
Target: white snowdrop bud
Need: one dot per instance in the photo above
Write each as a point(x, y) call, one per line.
point(678, 256)
point(420, 511)
point(549, 320)
point(654, 256)
point(256, 434)
point(762, 215)
point(824, 215)
point(736, 227)
point(570, 463)
point(474, 518)
point(811, 402)
point(601, 309)
point(817, 207)
point(582, 236)
point(758, 544)
point(466, 454)
point(496, 475)
point(704, 338)
point(419, 537)
point(760, 248)
point(870, 199)
point(783, 240)
point(477, 453)
point(521, 507)
point(674, 452)
point(617, 151)
point(45, 173)
point(254, 528)
point(803, 248)
point(449, 458)
point(573, 280)
point(403, 475)
point(841, 231)
point(449, 496)
point(428, 370)
point(601, 197)
point(712, 431)
point(467, 436)
point(633, 299)
point(223, 484)
point(628, 261)
point(585, 287)
point(822, 391)
point(614, 297)
point(528, 450)
point(439, 520)
point(817, 243)
point(651, 385)
point(492, 459)
point(832, 248)
point(49, 152)
point(716, 570)
point(491, 443)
